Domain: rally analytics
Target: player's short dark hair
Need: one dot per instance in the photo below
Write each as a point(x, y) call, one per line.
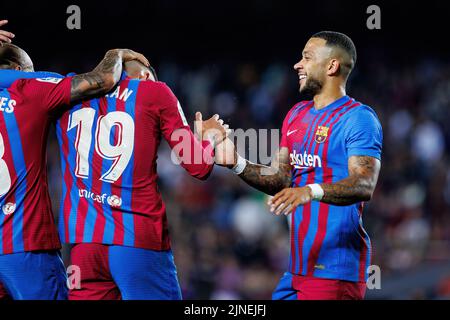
point(11, 55)
point(342, 41)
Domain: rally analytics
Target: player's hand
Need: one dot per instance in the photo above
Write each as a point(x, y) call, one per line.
point(288, 199)
point(225, 154)
point(212, 129)
point(5, 36)
point(129, 55)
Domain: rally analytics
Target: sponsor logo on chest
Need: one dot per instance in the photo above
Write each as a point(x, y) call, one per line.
point(305, 160)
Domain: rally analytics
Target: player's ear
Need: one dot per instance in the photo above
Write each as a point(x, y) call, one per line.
point(145, 75)
point(333, 67)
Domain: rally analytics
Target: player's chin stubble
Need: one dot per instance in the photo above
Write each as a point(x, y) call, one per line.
point(311, 88)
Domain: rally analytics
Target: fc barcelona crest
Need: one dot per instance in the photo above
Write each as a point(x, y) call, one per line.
point(321, 134)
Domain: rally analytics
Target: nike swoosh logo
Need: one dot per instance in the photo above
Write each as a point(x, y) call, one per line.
point(291, 132)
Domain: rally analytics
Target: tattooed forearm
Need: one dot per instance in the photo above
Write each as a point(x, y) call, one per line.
point(271, 179)
point(267, 179)
point(359, 186)
point(99, 81)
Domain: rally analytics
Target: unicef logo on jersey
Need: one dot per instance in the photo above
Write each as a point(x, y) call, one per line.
point(114, 201)
point(9, 208)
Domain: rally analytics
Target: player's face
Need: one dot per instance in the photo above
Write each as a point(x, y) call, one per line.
point(312, 68)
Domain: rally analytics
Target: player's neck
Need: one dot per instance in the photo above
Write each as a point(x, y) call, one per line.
point(328, 96)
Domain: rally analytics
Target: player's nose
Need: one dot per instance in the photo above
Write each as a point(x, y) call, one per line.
point(298, 66)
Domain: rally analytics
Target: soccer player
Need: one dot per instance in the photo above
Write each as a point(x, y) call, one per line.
point(30, 262)
point(326, 168)
point(112, 210)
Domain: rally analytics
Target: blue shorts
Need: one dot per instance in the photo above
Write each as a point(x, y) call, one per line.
point(119, 272)
point(35, 275)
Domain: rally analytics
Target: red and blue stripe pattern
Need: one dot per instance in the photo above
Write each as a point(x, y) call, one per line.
point(323, 243)
point(11, 226)
point(85, 220)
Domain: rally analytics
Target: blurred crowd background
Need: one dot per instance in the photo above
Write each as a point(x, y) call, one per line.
point(237, 61)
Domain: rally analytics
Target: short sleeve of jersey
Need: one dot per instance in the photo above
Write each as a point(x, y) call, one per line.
point(285, 125)
point(8, 77)
point(171, 114)
point(363, 133)
point(49, 93)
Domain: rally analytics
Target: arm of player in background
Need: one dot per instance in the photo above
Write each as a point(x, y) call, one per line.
point(195, 156)
point(269, 180)
point(104, 77)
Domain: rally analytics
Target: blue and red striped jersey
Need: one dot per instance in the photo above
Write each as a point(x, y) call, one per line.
point(27, 108)
point(329, 241)
point(108, 156)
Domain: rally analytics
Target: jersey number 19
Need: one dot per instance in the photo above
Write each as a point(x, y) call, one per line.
point(120, 153)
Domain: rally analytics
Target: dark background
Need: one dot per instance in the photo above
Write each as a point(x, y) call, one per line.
point(192, 31)
point(236, 58)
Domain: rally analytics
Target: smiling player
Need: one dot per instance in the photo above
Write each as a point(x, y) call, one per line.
point(327, 166)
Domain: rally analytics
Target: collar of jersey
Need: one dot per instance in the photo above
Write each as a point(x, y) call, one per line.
point(339, 102)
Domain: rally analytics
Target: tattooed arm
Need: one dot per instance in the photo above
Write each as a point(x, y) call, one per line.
point(357, 187)
point(269, 180)
point(105, 76)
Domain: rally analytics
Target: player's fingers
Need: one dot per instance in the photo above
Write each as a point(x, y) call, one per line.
point(291, 209)
point(4, 39)
point(220, 121)
point(7, 34)
point(275, 197)
point(277, 204)
point(277, 201)
point(287, 209)
point(3, 22)
point(198, 116)
point(141, 58)
point(216, 117)
point(282, 207)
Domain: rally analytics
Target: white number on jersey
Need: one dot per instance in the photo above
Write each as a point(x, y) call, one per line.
point(120, 153)
point(5, 178)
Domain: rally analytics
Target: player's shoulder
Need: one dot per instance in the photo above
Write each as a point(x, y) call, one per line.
point(153, 85)
point(360, 109)
point(361, 115)
point(157, 92)
point(296, 108)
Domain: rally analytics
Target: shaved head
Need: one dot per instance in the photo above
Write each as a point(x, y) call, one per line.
point(13, 57)
point(135, 69)
point(342, 47)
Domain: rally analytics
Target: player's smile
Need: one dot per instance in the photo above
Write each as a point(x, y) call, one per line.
point(302, 78)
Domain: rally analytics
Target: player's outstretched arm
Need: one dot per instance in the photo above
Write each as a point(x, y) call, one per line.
point(269, 180)
point(105, 76)
point(5, 36)
point(357, 187)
